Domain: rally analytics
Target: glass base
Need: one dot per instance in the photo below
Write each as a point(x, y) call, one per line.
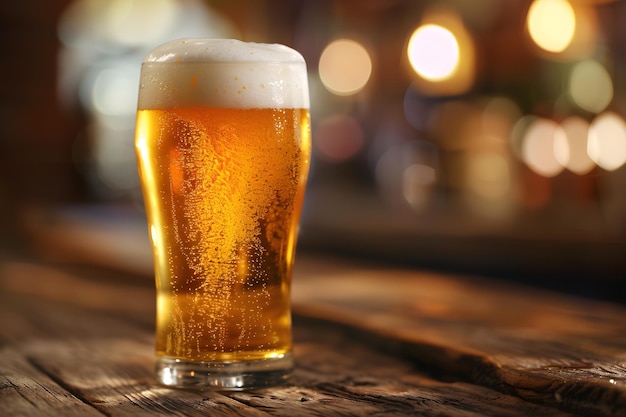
point(224, 376)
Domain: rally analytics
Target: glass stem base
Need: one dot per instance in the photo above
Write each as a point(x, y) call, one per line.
point(224, 376)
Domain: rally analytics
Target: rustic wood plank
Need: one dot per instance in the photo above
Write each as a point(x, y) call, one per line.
point(546, 348)
point(326, 382)
point(103, 359)
point(115, 375)
point(338, 375)
point(26, 391)
point(97, 356)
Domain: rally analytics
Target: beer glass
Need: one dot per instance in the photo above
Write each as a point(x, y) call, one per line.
point(223, 148)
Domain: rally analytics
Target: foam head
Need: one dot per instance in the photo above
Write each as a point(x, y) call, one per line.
point(223, 73)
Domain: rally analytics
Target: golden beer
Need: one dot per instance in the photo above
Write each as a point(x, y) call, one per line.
point(223, 180)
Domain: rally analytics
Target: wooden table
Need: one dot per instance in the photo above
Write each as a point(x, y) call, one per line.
point(370, 340)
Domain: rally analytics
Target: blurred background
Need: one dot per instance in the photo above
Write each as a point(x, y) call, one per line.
point(481, 137)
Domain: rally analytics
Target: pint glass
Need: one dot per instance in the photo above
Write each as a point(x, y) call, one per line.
point(223, 147)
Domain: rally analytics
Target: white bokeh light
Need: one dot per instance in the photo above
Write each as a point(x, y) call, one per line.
point(570, 147)
point(607, 141)
point(433, 52)
point(345, 67)
point(551, 24)
point(538, 147)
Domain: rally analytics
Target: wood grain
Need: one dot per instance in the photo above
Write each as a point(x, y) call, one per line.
point(367, 343)
point(26, 391)
point(546, 348)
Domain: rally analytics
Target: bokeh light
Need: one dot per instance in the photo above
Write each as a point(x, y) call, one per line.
point(418, 180)
point(113, 91)
point(345, 67)
point(518, 134)
point(338, 138)
point(407, 174)
point(570, 147)
point(538, 147)
point(103, 45)
point(488, 175)
point(135, 22)
point(416, 108)
point(607, 141)
point(440, 54)
point(118, 23)
point(433, 52)
point(551, 24)
point(590, 86)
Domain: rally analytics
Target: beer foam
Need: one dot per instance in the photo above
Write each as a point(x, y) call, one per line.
point(223, 73)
